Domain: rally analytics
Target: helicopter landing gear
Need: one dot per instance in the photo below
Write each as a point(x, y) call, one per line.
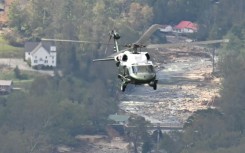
point(155, 85)
point(123, 87)
point(117, 64)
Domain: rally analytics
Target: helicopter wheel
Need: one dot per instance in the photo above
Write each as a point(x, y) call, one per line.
point(123, 87)
point(155, 85)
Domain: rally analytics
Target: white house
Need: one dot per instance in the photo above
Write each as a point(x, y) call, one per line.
point(6, 86)
point(166, 28)
point(40, 54)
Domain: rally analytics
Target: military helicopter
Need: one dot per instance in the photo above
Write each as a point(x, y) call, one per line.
point(134, 66)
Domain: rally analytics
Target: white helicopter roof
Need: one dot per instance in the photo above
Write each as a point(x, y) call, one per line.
point(136, 59)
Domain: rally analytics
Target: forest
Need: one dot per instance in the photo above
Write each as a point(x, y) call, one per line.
point(55, 109)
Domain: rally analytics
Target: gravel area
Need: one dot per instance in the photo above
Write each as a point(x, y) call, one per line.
point(185, 85)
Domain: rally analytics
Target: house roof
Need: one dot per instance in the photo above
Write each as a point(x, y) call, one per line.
point(30, 46)
point(6, 82)
point(186, 24)
point(165, 26)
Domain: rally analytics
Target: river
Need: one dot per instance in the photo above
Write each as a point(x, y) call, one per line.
point(185, 85)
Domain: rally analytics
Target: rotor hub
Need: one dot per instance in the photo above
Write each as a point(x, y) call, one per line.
point(116, 36)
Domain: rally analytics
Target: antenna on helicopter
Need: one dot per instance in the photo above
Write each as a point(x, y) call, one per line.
point(116, 37)
point(113, 34)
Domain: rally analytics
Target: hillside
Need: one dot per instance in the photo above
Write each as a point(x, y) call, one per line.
point(4, 13)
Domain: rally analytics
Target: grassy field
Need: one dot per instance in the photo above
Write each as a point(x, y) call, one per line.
point(7, 50)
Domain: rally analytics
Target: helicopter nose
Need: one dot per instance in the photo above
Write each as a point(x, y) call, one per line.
point(148, 76)
point(144, 77)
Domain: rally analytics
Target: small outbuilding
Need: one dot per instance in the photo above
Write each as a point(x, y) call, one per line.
point(2, 5)
point(166, 28)
point(186, 27)
point(119, 119)
point(6, 87)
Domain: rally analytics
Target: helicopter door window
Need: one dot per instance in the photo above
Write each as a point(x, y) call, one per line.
point(150, 69)
point(142, 69)
point(135, 70)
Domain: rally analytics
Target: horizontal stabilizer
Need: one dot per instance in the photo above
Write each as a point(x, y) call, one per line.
point(103, 59)
point(75, 41)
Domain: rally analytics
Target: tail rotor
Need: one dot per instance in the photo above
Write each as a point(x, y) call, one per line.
point(113, 34)
point(110, 36)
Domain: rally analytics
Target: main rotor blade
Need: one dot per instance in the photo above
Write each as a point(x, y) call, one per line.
point(148, 33)
point(75, 41)
point(152, 46)
point(103, 59)
point(108, 43)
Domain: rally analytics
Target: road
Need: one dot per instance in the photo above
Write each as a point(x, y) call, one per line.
point(13, 62)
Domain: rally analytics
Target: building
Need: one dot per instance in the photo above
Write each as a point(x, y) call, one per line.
point(185, 27)
point(119, 119)
point(166, 28)
point(117, 127)
point(1, 7)
point(40, 54)
point(6, 86)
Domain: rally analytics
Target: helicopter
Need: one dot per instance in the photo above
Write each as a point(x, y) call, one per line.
point(134, 66)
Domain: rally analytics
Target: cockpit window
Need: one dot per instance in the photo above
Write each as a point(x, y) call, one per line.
point(143, 69)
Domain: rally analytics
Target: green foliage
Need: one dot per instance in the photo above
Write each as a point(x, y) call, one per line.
point(19, 75)
point(54, 112)
point(202, 135)
point(18, 18)
point(60, 107)
point(211, 131)
point(232, 64)
point(167, 143)
point(17, 72)
point(147, 146)
point(138, 133)
point(7, 48)
point(67, 123)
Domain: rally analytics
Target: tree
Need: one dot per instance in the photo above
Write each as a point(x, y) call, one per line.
point(232, 65)
point(17, 73)
point(137, 132)
point(139, 15)
point(24, 124)
point(147, 146)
